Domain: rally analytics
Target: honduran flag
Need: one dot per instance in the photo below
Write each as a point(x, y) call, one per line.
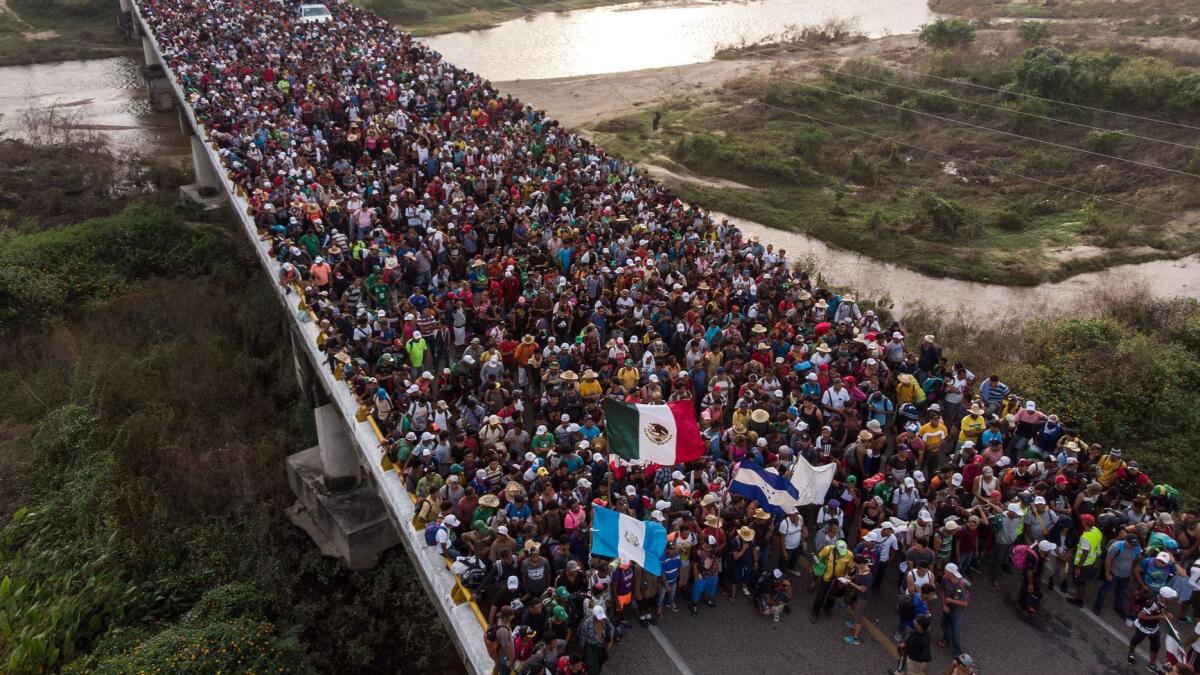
point(774, 493)
point(662, 434)
point(616, 535)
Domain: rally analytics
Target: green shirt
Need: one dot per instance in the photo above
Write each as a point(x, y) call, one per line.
point(416, 352)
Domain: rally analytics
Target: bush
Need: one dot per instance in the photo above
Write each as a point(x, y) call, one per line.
point(1146, 83)
point(944, 215)
point(1104, 142)
point(1010, 219)
point(1033, 32)
point(947, 34)
point(861, 169)
point(810, 142)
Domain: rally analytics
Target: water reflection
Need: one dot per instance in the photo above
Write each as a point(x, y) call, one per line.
point(104, 96)
point(632, 37)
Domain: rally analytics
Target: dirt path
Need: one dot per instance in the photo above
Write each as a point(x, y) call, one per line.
point(584, 100)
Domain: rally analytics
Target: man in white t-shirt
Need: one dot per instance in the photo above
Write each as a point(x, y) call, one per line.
point(792, 535)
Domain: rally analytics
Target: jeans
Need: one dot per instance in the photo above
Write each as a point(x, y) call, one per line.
point(665, 592)
point(704, 586)
point(999, 559)
point(952, 629)
point(1118, 585)
point(791, 557)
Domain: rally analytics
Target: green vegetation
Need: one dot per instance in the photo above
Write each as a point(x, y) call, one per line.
point(947, 34)
point(38, 31)
point(850, 154)
point(146, 419)
point(1033, 32)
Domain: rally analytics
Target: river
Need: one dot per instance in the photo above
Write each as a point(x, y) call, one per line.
point(637, 36)
point(104, 96)
point(108, 96)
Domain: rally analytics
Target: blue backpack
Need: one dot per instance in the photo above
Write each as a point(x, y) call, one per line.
point(431, 533)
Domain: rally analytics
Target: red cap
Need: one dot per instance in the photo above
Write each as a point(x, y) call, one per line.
point(1087, 519)
point(1061, 480)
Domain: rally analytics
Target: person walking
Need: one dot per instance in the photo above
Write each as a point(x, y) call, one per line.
point(831, 562)
point(1119, 561)
point(856, 584)
point(915, 652)
point(1151, 612)
point(954, 604)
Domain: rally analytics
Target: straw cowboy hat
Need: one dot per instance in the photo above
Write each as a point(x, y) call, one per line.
point(760, 416)
point(490, 501)
point(759, 328)
point(746, 533)
point(976, 409)
point(713, 521)
point(759, 514)
point(589, 374)
point(527, 339)
point(569, 375)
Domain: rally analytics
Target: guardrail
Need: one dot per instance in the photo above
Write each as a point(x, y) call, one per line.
point(453, 601)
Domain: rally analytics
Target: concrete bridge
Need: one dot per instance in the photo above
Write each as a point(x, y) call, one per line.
point(350, 506)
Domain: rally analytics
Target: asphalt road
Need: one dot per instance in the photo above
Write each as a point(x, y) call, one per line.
point(733, 638)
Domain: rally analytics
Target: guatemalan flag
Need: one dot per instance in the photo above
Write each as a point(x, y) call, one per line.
point(661, 434)
point(616, 535)
point(774, 493)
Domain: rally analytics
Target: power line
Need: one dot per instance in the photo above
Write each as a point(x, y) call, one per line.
point(981, 127)
point(985, 105)
point(964, 161)
point(1017, 93)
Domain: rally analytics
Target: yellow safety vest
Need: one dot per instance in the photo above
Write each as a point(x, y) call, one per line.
point(1094, 538)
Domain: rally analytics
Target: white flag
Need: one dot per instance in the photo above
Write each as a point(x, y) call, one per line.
point(812, 482)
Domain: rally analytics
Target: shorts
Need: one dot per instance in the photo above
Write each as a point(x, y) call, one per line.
point(623, 601)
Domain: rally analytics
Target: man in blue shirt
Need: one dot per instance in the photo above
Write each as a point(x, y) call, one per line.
point(671, 564)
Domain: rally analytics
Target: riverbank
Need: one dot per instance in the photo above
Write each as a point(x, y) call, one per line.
point(863, 145)
point(46, 31)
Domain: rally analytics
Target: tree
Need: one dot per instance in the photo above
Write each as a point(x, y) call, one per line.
point(947, 34)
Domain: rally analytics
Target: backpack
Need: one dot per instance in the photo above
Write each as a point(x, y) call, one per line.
point(1021, 554)
point(431, 533)
point(522, 643)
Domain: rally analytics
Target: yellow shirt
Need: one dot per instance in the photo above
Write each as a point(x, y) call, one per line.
point(628, 377)
point(1108, 469)
point(590, 388)
point(933, 435)
point(971, 428)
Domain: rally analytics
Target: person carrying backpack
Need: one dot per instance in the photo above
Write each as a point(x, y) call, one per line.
point(499, 641)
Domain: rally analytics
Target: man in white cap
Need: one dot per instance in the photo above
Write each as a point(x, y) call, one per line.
point(1152, 610)
point(954, 604)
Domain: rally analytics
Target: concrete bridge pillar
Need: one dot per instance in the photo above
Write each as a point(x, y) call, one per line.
point(339, 459)
point(206, 173)
point(148, 51)
point(345, 517)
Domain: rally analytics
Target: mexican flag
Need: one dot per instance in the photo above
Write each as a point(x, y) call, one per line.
point(662, 434)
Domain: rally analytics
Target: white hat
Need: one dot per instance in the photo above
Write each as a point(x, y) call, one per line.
point(599, 613)
point(451, 520)
point(956, 479)
point(1030, 405)
point(952, 570)
point(503, 529)
point(630, 490)
point(1039, 500)
point(924, 515)
point(1015, 509)
point(677, 475)
point(1167, 593)
point(919, 476)
point(909, 482)
point(597, 457)
point(416, 335)
point(658, 515)
point(1164, 557)
point(513, 583)
point(1045, 546)
point(585, 483)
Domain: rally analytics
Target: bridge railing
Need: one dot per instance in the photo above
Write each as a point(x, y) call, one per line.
point(454, 602)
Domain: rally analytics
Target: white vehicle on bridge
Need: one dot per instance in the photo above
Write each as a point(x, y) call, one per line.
point(314, 13)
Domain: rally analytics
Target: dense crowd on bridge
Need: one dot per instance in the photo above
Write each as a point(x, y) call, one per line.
point(484, 278)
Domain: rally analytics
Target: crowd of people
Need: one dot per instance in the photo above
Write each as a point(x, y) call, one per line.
point(483, 278)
